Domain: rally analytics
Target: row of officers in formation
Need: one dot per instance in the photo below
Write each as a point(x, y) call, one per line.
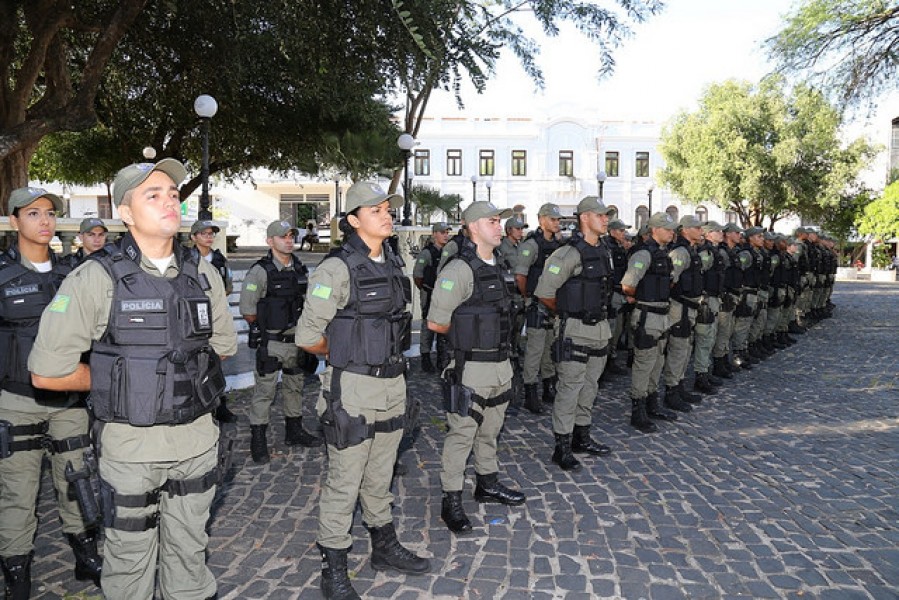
point(114, 362)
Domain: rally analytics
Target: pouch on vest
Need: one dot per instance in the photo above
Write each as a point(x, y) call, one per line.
point(211, 380)
point(476, 327)
point(142, 323)
point(196, 317)
point(23, 302)
point(8, 343)
point(410, 418)
point(457, 398)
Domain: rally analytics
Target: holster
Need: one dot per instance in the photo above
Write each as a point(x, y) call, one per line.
point(85, 485)
point(536, 317)
point(413, 410)
point(340, 429)
point(457, 398)
point(704, 313)
point(266, 364)
point(561, 350)
point(225, 455)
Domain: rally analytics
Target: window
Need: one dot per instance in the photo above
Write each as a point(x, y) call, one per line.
point(614, 213)
point(453, 162)
point(519, 163)
point(702, 214)
point(611, 164)
point(730, 216)
point(486, 163)
point(642, 164)
point(672, 210)
point(641, 216)
point(566, 163)
point(299, 209)
point(422, 162)
point(104, 207)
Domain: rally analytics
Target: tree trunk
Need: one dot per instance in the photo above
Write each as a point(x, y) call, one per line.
point(13, 175)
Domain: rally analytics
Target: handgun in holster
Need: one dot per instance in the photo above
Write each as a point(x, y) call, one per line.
point(340, 429)
point(457, 398)
point(85, 483)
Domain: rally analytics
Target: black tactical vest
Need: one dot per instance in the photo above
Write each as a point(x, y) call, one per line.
point(690, 282)
point(74, 259)
point(429, 277)
point(779, 270)
point(586, 296)
point(753, 274)
point(656, 283)
point(733, 274)
point(814, 257)
point(221, 264)
point(483, 321)
point(544, 249)
point(154, 364)
point(619, 258)
point(713, 277)
point(370, 334)
point(285, 290)
point(23, 296)
point(765, 269)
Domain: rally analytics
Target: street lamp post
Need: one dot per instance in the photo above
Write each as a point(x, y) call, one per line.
point(406, 142)
point(650, 185)
point(205, 106)
point(474, 188)
point(489, 184)
point(600, 179)
point(337, 195)
point(149, 152)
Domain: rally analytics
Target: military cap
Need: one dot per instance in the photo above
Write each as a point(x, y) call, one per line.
point(689, 221)
point(618, 224)
point(754, 230)
point(549, 210)
point(712, 226)
point(732, 228)
point(280, 228)
point(132, 176)
point(24, 196)
point(515, 223)
point(91, 222)
point(593, 204)
point(369, 193)
point(483, 210)
point(661, 219)
point(204, 224)
point(440, 227)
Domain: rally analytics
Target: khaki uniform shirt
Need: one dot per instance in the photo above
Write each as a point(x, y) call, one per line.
point(562, 265)
point(508, 252)
point(78, 316)
point(422, 262)
point(528, 253)
point(255, 286)
point(449, 250)
point(455, 284)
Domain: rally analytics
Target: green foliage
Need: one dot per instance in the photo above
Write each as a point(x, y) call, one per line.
point(880, 256)
point(429, 201)
point(845, 47)
point(780, 154)
point(880, 218)
point(83, 158)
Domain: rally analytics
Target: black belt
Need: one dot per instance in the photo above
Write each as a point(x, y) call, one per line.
point(387, 371)
point(687, 302)
point(487, 355)
point(656, 310)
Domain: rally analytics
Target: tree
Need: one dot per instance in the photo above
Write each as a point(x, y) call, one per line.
point(447, 40)
point(48, 82)
point(846, 48)
point(880, 218)
point(431, 201)
point(761, 153)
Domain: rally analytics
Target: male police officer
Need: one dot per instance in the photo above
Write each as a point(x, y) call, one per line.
point(714, 266)
point(424, 274)
point(576, 284)
point(271, 301)
point(472, 304)
point(508, 252)
point(532, 255)
point(647, 284)
point(750, 262)
point(732, 286)
point(35, 423)
point(615, 241)
point(156, 321)
point(92, 232)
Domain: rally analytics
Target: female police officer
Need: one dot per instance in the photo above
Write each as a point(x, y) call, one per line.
point(355, 313)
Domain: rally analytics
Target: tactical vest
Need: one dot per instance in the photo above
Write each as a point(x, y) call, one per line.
point(481, 326)
point(429, 277)
point(778, 269)
point(619, 259)
point(154, 364)
point(656, 283)
point(753, 274)
point(23, 296)
point(285, 290)
point(586, 296)
point(221, 264)
point(733, 274)
point(544, 249)
point(764, 269)
point(689, 284)
point(74, 259)
point(814, 257)
point(370, 334)
point(713, 277)
point(802, 261)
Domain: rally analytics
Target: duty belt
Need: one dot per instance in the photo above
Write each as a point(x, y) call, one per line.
point(385, 371)
point(656, 310)
point(487, 355)
point(688, 303)
point(8, 445)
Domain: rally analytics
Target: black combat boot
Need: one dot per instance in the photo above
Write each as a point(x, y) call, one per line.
point(675, 401)
point(716, 381)
point(703, 384)
point(639, 418)
point(88, 563)
point(426, 365)
point(531, 401)
point(562, 455)
point(794, 327)
point(259, 444)
point(489, 489)
point(721, 369)
point(549, 389)
point(453, 514)
point(17, 572)
point(688, 396)
point(295, 435)
point(790, 340)
point(222, 414)
point(582, 443)
point(655, 410)
point(388, 553)
point(335, 580)
point(612, 367)
point(630, 359)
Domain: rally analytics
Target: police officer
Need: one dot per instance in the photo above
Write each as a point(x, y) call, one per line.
point(156, 321)
point(271, 300)
point(356, 314)
point(705, 332)
point(424, 274)
point(777, 292)
point(731, 289)
point(647, 285)
point(92, 232)
point(472, 305)
point(576, 284)
point(686, 293)
point(35, 423)
point(755, 236)
point(203, 233)
point(532, 255)
point(508, 252)
point(615, 242)
point(451, 249)
point(750, 262)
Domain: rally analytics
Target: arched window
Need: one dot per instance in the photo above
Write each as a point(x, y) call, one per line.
point(641, 216)
point(730, 216)
point(614, 213)
point(702, 214)
point(672, 210)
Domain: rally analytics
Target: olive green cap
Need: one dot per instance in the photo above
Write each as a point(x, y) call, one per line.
point(91, 222)
point(515, 223)
point(279, 228)
point(593, 204)
point(204, 224)
point(755, 230)
point(440, 227)
point(22, 197)
point(712, 226)
point(549, 210)
point(483, 210)
point(618, 224)
point(662, 219)
point(133, 175)
point(369, 193)
point(689, 221)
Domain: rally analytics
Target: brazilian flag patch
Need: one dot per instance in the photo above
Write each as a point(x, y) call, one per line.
point(321, 291)
point(447, 284)
point(554, 269)
point(252, 287)
point(60, 303)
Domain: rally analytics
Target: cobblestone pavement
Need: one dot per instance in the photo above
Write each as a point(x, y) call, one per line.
point(784, 485)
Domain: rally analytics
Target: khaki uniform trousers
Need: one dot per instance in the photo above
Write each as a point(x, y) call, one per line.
point(426, 337)
point(178, 543)
point(774, 312)
point(648, 362)
point(704, 338)
point(761, 318)
point(740, 337)
point(266, 385)
point(679, 348)
point(578, 385)
point(20, 479)
point(362, 472)
point(723, 334)
point(537, 355)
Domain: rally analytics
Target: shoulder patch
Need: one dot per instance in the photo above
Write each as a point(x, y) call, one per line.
point(321, 291)
point(59, 304)
point(447, 284)
point(554, 269)
point(422, 260)
point(525, 252)
point(638, 265)
point(252, 287)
